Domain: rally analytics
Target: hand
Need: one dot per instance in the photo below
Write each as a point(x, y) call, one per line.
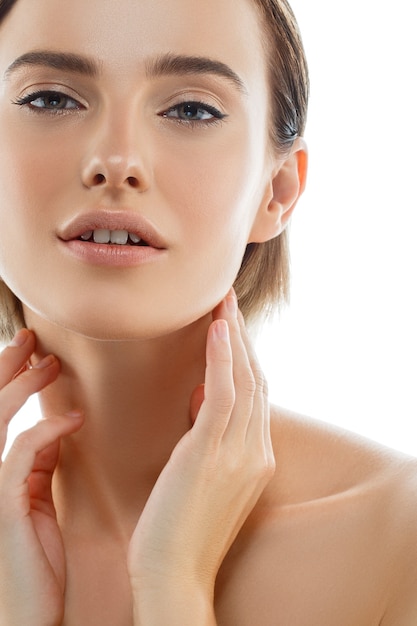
point(213, 479)
point(32, 565)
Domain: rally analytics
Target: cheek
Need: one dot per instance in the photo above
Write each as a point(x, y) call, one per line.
point(214, 211)
point(213, 185)
point(34, 171)
point(35, 168)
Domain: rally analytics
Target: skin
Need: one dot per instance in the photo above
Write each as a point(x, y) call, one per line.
point(90, 500)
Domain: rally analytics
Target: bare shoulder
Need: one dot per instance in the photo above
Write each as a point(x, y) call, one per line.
point(333, 539)
point(316, 460)
point(370, 494)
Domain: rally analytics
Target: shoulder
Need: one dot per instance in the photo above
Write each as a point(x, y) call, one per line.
point(333, 538)
point(318, 459)
point(367, 491)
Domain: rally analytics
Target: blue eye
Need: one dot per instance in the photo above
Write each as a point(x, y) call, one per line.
point(53, 101)
point(194, 112)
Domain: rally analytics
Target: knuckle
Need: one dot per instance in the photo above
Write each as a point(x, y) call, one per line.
point(29, 382)
point(12, 365)
point(223, 359)
point(18, 384)
point(264, 386)
point(263, 467)
point(264, 473)
point(234, 470)
point(224, 402)
point(23, 382)
point(270, 467)
point(222, 398)
point(23, 441)
point(260, 379)
point(249, 385)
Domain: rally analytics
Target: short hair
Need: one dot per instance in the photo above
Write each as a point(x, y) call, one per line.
point(262, 283)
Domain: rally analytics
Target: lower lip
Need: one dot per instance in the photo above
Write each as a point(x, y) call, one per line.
point(112, 255)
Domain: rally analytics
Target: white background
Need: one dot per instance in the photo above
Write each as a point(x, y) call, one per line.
point(345, 350)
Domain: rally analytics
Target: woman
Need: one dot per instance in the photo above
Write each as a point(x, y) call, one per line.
point(151, 158)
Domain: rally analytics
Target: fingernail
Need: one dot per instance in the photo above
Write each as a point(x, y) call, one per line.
point(46, 362)
point(20, 338)
point(221, 330)
point(231, 303)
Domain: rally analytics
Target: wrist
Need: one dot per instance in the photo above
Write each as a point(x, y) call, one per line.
point(176, 604)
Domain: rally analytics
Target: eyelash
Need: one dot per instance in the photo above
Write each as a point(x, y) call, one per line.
point(216, 118)
point(31, 97)
point(27, 100)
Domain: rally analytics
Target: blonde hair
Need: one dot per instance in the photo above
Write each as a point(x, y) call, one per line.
point(262, 283)
point(11, 315)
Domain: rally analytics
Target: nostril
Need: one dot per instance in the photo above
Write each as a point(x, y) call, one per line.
point(133, 182)
point(99, 179)
point(113, 180)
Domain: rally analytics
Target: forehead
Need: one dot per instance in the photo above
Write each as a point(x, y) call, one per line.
point(121, 35)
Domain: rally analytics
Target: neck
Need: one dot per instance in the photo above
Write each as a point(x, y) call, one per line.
point(136, 400)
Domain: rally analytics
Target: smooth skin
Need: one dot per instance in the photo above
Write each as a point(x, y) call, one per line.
point(143, 497)
point(216, 472)
point(32, 553)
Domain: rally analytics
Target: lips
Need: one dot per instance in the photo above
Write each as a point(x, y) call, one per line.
point(140, 231)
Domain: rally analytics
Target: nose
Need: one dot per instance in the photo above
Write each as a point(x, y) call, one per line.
point(115, 159)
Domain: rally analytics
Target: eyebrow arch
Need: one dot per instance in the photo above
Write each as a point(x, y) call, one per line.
point(170, 64)
point(66, 61)
point(166, 64)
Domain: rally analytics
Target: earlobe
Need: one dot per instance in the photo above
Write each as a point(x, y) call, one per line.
point(283, 190)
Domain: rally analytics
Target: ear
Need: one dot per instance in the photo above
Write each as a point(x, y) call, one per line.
point(287, 183)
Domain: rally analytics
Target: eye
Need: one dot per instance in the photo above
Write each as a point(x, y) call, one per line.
point(53, 101)
point(194, 112)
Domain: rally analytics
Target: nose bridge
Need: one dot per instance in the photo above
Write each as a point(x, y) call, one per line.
point(116, 151)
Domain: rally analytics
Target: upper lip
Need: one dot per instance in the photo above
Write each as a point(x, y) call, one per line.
point(112, 219)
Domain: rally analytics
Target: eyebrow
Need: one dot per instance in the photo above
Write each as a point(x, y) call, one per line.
point(170, 64)
point(163, 65)
point(57, 60)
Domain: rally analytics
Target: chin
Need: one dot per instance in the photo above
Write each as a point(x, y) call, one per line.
point(116, 324)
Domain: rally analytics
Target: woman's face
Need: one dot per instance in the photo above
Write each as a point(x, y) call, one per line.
point(111, 139)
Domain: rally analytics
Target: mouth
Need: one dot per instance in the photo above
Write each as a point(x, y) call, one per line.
point(114, 228)
point(112, 237)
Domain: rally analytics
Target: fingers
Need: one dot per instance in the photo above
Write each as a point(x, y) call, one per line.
point(29, 465)
point(25, 454)
point(15, 394)
point(40, 479)
point(219, 394)
point(16, 390)
point(15, 355)
point(243, 377)
point(248, 424)
point(236, 406)
point(260, 426)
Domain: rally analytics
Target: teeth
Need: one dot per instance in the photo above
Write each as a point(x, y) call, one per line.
point(119, 236)
point(103, 235)
point(134, 238)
